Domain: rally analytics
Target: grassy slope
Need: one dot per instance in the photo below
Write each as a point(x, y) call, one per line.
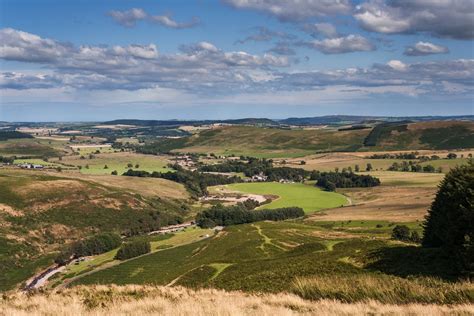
point(147, 300)
point(39, 212)
point(427, 135)
point(269, 257)
point(308, 197)
point(270, 142)
point(30, 147)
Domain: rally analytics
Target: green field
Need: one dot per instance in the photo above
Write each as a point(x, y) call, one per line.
point(411, 179)
point(118, 162)
point(306, 196)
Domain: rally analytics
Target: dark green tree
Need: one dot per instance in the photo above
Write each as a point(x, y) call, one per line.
point(450, 220)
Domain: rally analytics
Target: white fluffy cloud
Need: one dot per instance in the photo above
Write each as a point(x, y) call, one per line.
point(341, 45)
point(442, 18)
point(425, 48)
point(294, 10)
point(129, 18)
point(205, 70)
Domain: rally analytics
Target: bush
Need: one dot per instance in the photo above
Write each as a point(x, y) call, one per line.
point(450, 220)
point(133, 249)
point(401, 232)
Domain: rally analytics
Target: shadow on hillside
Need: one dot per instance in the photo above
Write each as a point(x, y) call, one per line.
point(405, 261)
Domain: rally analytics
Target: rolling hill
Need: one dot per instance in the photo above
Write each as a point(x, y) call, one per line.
point(281, 142)
point(41, 212)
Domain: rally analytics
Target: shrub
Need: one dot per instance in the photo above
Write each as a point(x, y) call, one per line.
point(401, 232)
point(133, 249)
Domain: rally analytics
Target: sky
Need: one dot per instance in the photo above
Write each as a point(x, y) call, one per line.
point(86, 60)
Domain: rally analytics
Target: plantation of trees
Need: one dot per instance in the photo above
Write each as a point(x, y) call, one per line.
point(220, 215)
point(133, 249)
point(331, 180)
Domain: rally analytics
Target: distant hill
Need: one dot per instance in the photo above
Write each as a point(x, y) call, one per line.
point(284, 142)
point(354, 119)
point(251, 121)
point(422, 135)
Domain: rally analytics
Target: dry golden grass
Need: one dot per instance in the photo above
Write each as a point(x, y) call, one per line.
point(178, 301)
point(384, 203)
point(145, 186)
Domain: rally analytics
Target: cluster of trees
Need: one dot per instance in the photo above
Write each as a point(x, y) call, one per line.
point(195, 182)
point(412, 155)
point(93, 245)
point(449, 224)
point(133, 249)
point(329, 181)
point(7, 159)
point(413, 167)
point(403, 233)
point(6, 135)
point(248, 165)
point(151, 221)
point(220, 215)
point(254, 166)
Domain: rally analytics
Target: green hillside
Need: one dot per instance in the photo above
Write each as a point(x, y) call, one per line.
point(39, 213)
point(285, 143)
point(271, 256)
point(423, 135)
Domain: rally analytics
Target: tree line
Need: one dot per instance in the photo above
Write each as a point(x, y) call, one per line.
point(133, 249)
point(219, 215)
point(329, 181)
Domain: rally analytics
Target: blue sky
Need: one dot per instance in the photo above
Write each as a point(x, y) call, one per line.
point(99, 60)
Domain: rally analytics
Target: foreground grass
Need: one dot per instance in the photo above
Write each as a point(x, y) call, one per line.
point(308, 197)
point(148, 300)
point(384, 289)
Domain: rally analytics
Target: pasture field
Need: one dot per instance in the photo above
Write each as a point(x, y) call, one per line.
point(92, 149)
point(119, 162)
point(308, 197)
point(288, 255)
point(407, 179)
point(386, 203)
point(330, 161)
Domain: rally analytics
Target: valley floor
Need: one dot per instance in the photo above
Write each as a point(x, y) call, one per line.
point(177, 301)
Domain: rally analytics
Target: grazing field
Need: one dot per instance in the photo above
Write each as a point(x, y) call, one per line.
point(306, 196)
point(407, 179)
point(150, 300)
point(118, 162)
point(386, 203)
